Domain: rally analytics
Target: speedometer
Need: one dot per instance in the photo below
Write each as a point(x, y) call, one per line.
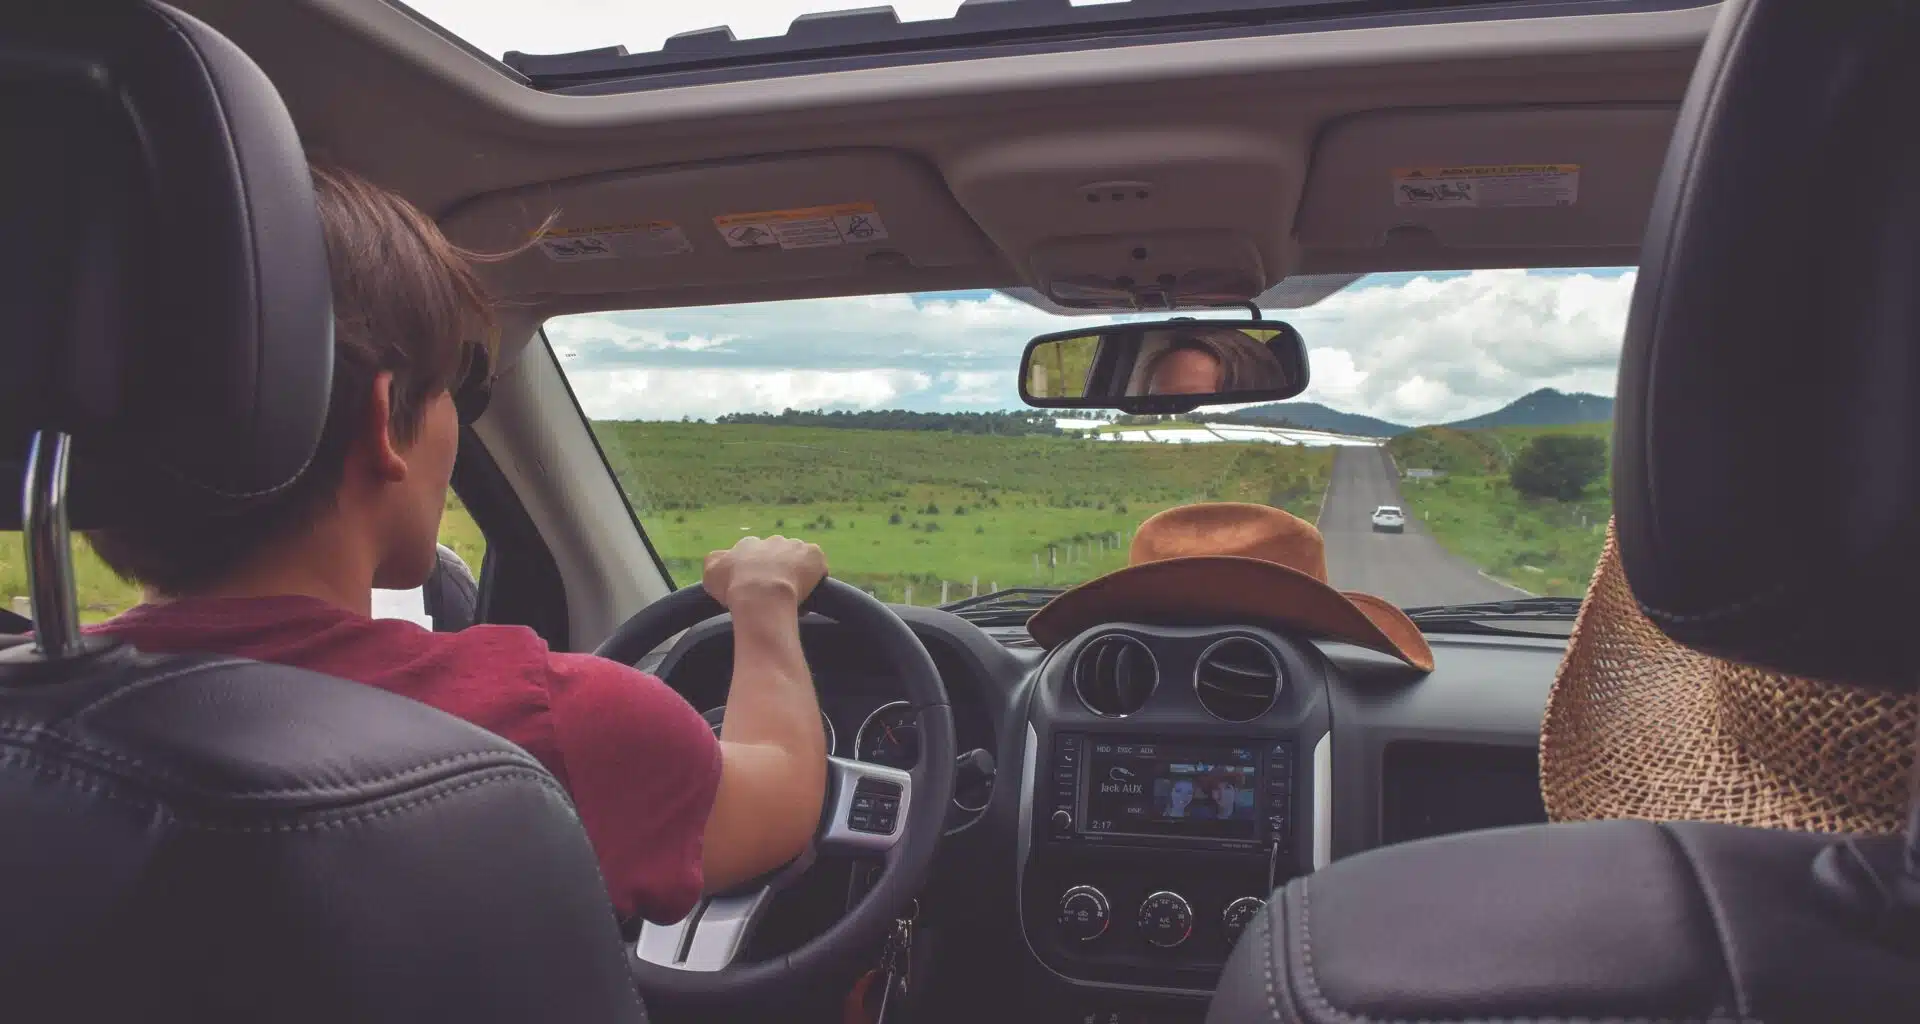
point(717, 716)
point(890, 736)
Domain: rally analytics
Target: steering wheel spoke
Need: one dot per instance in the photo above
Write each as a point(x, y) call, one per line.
point(869, 802)
point(710, 937)
point(876, 811)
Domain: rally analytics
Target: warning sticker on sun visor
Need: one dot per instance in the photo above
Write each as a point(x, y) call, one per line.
point(1487, 187)
point(811, 227)
point(615, 241)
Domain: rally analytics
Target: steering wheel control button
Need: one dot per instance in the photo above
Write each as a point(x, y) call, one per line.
point(876, 807)
point(1239, 914)
point(1165, 919)
point(1084, 914)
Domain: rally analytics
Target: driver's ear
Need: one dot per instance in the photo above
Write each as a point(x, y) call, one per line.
point(376, 432)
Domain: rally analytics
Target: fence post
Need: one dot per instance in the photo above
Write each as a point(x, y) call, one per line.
point(909, 598)
point(993, 588)
point(976, 587)
point(943, 591)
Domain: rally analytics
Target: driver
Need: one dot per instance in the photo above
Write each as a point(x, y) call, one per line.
point(1189, 366)
point(670, 809)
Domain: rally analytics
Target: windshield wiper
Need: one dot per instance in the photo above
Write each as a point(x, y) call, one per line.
point(1010, 607)
point(1520, 608)
point(1495, 617)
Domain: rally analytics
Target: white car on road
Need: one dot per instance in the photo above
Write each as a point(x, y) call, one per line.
point(1389, 518)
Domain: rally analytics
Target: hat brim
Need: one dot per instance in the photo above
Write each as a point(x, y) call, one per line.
point(1638, 726)
point(1227, 588)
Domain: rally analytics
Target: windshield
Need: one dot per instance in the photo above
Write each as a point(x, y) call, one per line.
point(888, 430)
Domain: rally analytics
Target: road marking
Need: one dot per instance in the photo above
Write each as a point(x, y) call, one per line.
point(1504, 583)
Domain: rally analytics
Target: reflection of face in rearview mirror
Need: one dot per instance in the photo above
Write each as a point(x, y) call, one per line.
point(1170, 366)
point(1185, 370)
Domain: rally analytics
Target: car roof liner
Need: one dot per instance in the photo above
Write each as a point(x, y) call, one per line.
point(875, 36)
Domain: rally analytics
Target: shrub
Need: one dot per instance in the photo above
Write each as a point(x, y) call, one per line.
point(1559, 466)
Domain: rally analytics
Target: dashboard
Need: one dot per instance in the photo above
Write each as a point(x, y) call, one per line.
point(1145, 787)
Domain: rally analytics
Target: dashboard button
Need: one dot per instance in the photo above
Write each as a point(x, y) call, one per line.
point(1062, 821)
point(1166, 919)
point(1239, 914)
point(1084, 913)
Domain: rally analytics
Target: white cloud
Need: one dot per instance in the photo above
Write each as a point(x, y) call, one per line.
point(971, 387)
point(704, 394)
point(1406, 348)
point(1443, 347)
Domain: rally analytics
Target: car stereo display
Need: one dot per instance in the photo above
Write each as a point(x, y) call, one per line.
point(1176, 789)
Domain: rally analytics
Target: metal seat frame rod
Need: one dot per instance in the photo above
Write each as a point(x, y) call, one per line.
point(43, 513)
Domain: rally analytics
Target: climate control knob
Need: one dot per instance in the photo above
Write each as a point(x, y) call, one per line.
point(1165, 919)
point(1062, 822)
point(1239, 914)
point(1084, 914)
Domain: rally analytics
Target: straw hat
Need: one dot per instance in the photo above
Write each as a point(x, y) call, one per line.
point(1638, 726)
point(1233, 562)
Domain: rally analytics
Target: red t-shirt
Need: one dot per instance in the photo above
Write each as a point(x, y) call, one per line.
point(640, 762)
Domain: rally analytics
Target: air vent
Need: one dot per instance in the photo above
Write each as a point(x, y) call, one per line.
point(1238, 679)
point(1114, 675)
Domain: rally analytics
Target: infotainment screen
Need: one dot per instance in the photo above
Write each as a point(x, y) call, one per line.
point(1184, 789)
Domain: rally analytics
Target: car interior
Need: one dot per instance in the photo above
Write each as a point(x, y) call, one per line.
point(200, 837)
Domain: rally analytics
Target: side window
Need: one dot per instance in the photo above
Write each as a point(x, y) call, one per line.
point(447, 596)
point(102, 594)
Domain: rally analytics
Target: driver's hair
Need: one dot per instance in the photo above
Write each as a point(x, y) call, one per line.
point(1240, 370)
point(405, 300)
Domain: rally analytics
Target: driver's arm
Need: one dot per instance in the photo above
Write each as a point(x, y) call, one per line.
point(773, 774)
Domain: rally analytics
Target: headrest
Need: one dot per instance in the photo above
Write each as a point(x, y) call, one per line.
point(1767, 437)
point(164, 285)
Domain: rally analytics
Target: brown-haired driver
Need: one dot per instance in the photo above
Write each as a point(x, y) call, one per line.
point(669, 808)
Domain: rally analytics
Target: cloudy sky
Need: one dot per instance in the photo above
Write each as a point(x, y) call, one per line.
point(558, 26)
point(1407, 348)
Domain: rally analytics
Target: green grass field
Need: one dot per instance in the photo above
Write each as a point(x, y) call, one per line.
point(1545, 547)
point(914, 509)
point(893, 509)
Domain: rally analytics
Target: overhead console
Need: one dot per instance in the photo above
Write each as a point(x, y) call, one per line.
point(1173, 777)
point(869, 215)
point(1144, 218)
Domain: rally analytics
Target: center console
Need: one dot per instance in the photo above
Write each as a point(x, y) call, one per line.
point(1168, 789)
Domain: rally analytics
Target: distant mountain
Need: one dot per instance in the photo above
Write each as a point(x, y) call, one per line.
point(1314, 416)
point(1544, 408)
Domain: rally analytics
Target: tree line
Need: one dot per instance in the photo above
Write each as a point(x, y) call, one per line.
point(999, 424)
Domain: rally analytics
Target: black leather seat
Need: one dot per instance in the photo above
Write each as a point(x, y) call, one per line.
point(1776, 322)
point(196, 838)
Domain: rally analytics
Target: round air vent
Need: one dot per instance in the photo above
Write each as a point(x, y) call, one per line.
point(1238, 679)
point(1114, 675)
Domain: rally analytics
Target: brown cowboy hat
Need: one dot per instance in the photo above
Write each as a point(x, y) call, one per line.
point(1227, 561)
point(1638, 726)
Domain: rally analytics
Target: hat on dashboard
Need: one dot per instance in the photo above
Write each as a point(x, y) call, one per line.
point(1233, 562)
point(1638, 726)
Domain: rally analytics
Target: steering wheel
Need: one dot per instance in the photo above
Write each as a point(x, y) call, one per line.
point(695, 961)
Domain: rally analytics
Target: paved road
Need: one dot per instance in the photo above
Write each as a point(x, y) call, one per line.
point(1410, 568)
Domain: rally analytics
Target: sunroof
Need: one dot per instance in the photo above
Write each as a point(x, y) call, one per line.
point(591, 46)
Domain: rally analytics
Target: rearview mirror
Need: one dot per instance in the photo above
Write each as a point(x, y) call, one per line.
point(1168, 366)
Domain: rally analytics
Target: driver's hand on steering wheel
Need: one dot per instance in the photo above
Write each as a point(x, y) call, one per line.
point(772, 567)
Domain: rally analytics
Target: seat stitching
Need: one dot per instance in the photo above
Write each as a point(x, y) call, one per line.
point(102, 787)
point(1723, 935)
point(1314, 996)
point(156, 775)
point(142, 684)
point(1273, 950)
